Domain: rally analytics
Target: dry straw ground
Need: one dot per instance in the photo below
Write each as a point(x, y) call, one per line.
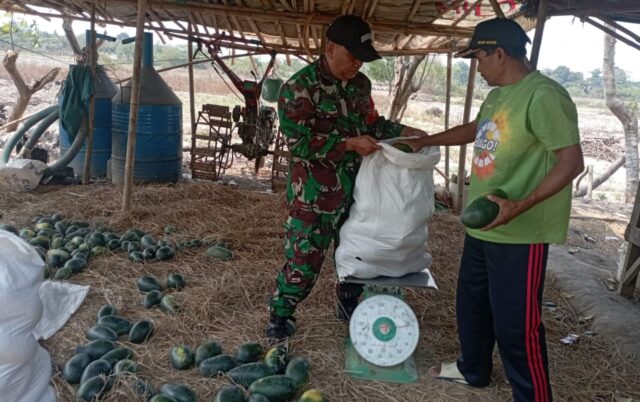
point(226, 301)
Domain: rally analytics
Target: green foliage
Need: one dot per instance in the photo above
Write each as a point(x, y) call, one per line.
point(381, 70)
point(12, 28)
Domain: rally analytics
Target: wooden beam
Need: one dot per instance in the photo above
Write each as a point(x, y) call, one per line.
point(86, 172)
point(192, 100)
point(447, 113)
point(619, 27)
point(628, 277)
point(496, 8)
point(284, 40)
point(611, 32)
point(458, 202)
point(543, 7)
point(133, 108)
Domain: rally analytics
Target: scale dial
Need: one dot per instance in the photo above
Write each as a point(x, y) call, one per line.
point(384, 330)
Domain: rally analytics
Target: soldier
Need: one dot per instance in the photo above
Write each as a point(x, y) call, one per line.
point(327, 115)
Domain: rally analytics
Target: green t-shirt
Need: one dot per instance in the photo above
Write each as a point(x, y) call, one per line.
point(519, 127)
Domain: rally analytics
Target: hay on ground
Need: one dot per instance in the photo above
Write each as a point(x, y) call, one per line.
point(226, 301)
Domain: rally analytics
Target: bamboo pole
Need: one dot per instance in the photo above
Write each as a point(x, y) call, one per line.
point(86, 173)
point(133, 108)
point(611, 32)
point(192, 101)
point(496, 8)
point(462, 160)
point(543, 7)
point(447, 112)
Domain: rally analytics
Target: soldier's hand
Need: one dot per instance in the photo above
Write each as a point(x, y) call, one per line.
point(363, 145)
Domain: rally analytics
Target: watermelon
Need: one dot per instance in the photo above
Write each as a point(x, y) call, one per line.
point(275, 387)
point(230, 393)
point(96, 349)
point(101, 332)
point(148, 283)
point(179, 392)
point(213, 366)
point(140, 331)
point(74, 367)
point(298, 370)
point(246, 374)
point(207, 350)
point(249, 352)
point(181, 357)
point(120, 325)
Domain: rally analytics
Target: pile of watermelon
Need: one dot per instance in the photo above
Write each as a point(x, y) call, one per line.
point(66, 245)
point(96, 365)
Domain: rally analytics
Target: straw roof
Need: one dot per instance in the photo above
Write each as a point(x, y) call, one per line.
point(399, 26)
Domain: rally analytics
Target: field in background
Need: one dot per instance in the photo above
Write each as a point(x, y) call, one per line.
point(601, 131)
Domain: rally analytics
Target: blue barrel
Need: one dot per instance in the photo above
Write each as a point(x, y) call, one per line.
point(101, 146)
point(158, 156)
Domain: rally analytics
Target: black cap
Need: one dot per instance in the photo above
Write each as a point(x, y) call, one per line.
point(354, 34)
point(497, 32)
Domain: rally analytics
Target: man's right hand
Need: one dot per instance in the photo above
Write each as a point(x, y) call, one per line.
point(364, 145)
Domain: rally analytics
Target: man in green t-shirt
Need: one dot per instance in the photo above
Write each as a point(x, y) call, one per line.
point(526, 143)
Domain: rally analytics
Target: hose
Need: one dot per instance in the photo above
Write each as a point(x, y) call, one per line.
point(37, 133)
point(64, 160)
point(20, 133)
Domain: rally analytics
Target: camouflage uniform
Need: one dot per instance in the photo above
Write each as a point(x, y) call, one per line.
point(317, 114)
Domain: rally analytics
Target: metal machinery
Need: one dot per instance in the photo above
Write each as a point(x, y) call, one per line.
point(254, 123)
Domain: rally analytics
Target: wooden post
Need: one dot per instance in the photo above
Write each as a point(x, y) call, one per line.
point(192, 102)
point(543, 5)
point(88, 148)
point(133, 108)
point(447, 112)
point(496, 8)
point(458, 202)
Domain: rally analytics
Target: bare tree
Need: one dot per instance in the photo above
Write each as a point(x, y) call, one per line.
point(627, 117)
point(24, 91)
point(404, 85)
point(629, 121)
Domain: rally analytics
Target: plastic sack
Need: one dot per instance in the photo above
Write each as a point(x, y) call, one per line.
point(20, 175)
point(25, 367)
point(386, 232)
point(61, 300)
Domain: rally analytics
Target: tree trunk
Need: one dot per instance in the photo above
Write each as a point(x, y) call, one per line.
point(626, 116)
point(24, 91)
point(611, 169)
point(405, 68)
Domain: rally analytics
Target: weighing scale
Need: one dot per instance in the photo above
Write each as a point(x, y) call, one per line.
point(384, 331)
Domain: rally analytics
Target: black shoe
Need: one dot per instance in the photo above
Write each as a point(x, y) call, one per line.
point(280, 328)
point(345, 308)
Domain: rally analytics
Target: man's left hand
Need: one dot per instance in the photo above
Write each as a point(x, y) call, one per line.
point(413, 132)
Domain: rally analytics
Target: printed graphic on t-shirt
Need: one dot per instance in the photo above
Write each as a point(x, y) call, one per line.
point(489, 135)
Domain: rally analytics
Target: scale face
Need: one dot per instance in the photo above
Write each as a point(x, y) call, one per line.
point(384, 330)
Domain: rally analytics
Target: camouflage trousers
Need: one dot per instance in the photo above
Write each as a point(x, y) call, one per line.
point(306, 244)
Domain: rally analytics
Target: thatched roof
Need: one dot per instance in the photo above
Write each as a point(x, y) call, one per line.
point(399, 26)
point(603, 14)
point(297, 26)
point(614, 10)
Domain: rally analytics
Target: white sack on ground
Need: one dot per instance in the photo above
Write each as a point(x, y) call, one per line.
point(25, 367)
point(21, 175)
point(60, 300)
point(386, 233)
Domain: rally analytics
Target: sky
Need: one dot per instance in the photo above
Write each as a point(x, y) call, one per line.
point(567, 41)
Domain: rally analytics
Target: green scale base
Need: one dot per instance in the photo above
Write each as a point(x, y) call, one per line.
point(357, 367)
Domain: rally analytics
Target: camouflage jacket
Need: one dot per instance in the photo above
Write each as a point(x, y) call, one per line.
point(317, 114)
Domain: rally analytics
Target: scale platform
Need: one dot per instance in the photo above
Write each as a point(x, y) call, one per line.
point(384, 331)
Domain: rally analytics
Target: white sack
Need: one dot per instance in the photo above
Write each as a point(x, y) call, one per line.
point(25, 367)
point(386, 233)
point(21, 175)
point(61, 300)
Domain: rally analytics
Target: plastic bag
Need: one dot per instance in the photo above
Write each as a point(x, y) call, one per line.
point(21, 175)
point(386, 232)
point(25, 367)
